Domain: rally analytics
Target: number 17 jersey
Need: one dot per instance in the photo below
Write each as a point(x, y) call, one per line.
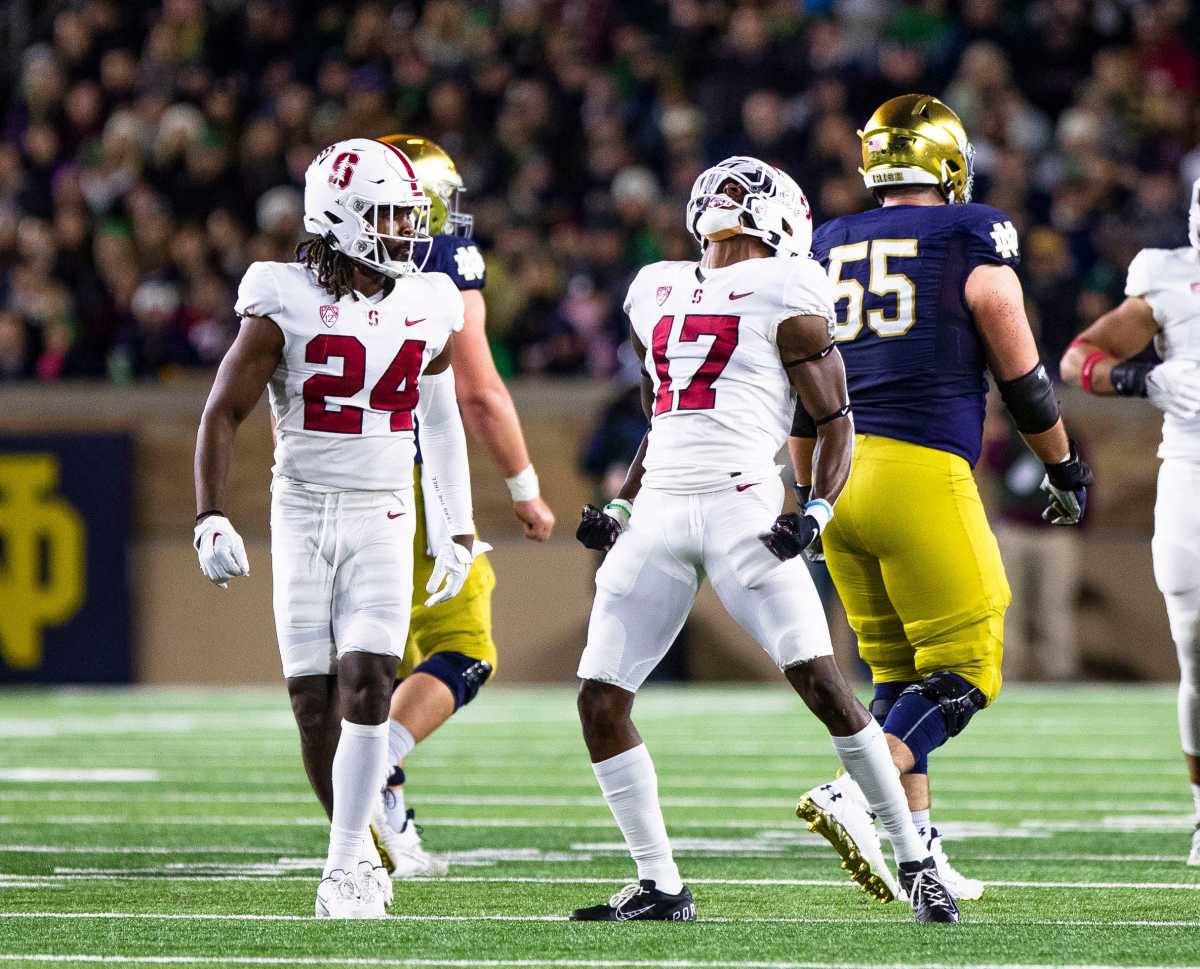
point(344, 392)
point(722, 400)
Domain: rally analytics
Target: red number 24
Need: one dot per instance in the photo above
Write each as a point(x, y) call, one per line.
point(395, 391)
point(699, 393)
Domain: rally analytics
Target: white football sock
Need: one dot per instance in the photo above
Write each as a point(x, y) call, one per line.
point(866, 758)
point(399, 744)
point(630, 786)
point(370, 852)
point(920, 821)
point(1196, 800)
point(358, 765)
point(393, 806)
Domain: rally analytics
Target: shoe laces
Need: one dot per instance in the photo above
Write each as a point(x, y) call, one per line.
point(927, 888)
point(346, 887)
point(625, 894)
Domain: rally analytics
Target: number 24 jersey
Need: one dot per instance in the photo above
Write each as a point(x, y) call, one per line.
point(346, 386)
point(722, 400)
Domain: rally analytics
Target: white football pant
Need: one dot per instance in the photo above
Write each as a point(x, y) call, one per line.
point(646, 586)
point(342, 566)
point(1176, 550)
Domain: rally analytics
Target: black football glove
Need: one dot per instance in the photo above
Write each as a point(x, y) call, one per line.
point(1067, 483)
point(597, 530)
point(815, 552)
point(790, 535)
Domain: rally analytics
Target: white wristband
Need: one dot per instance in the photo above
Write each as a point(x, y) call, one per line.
point(523, 486)
point(820, 511)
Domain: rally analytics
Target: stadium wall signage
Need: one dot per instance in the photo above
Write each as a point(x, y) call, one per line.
point(64, 546)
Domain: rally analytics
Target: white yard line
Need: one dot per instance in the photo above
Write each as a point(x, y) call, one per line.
point(816, 920)
point(171, 875)
point(83, 775)
point(946, 805)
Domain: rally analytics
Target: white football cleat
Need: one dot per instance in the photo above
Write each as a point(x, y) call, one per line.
point(368, 868)
point(958, 885)
point(1194, 857)
point(842, 820)
point(403, 848)
point(341, 895)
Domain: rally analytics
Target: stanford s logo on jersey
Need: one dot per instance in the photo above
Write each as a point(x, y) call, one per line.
point(329, 314)
point(662, 293)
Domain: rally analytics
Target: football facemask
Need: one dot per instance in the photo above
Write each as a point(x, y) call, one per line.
point(363, 198)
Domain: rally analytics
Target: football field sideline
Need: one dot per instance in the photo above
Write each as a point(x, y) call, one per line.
point(180, 831)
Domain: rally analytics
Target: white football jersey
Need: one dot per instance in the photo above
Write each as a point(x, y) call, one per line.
point(345, 390)
point(1169, 280)
point(723, 405)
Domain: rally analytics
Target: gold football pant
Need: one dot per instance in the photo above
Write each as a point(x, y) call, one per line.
point(916, 565)
point(459, 625)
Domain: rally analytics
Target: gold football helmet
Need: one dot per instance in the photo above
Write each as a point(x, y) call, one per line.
point(916, 140)
point(439, 180)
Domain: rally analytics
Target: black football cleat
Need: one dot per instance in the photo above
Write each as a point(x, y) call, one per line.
point(641, 902)
point(929, 898)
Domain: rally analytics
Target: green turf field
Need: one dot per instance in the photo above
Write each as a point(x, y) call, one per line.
point(176, 828)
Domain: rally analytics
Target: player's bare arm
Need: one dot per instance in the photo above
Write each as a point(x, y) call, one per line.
point(599, 529)
point(994, 296)
point(1098, 360)
point(817, 374)
point(239, 384)
point(490, 416)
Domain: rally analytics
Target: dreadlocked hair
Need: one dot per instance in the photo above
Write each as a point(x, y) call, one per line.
point(334, 269)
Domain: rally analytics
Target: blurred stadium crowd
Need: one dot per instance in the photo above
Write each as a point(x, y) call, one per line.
point(151, 151)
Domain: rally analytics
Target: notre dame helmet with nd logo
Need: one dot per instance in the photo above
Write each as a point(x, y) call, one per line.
point(915, 139)
point(453, 250)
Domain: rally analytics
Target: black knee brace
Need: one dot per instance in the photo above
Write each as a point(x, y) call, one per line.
point(462, 674)
point(957, 698)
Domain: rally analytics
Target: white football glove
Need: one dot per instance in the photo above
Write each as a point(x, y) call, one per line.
point(221, 550)
point(450, 570)
point(1174, 388)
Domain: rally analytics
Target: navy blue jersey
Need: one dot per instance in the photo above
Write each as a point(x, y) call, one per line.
point(460, 259)
point(914, 360)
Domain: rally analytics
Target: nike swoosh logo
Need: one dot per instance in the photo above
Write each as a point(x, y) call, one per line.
point(398, 514)
point(743, 487)
point(408, 322)
point(625, 916)
point(733, 295)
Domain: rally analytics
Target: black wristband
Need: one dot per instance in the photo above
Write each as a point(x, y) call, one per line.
point(1129, 378)
point(208, 514)
point(803, 493)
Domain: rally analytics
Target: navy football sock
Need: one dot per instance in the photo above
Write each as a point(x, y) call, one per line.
point(886, 695)
point(919, 723)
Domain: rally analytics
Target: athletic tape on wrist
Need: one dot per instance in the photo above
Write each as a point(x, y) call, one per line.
point(820, 511)
point(620, 509)
point(523, 486)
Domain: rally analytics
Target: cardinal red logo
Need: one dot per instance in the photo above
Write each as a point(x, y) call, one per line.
point(662, 294)
point(329, 314)
point(343, 169)
point(1196, 288)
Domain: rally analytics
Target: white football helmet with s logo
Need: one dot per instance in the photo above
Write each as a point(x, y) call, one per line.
point(357, 194)
point(773, 208)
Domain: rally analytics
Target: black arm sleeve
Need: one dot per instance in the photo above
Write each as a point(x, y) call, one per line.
point(1031, 401)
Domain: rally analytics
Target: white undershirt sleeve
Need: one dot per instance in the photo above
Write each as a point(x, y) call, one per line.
point(444, 450)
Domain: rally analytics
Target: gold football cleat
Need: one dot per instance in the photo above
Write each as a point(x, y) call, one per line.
point(858, 867)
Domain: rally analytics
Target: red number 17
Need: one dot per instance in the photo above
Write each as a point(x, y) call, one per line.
point(699, 393)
